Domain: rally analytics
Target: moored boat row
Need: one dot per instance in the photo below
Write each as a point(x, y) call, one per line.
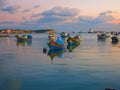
point(57, 41)
point(103, 35)
point(60, 41)
point(114, 37)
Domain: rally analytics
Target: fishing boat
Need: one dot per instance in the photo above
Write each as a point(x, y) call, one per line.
point(108, 35)
point(101, 36)
point(64, 35)
point(57, 44)
point(115, 39)
point(23, 38)
point(74, 41)
point(104, 35)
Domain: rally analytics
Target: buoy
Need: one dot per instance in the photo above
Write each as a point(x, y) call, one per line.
point(44, 50)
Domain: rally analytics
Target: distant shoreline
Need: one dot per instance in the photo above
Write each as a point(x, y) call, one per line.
point(20, 31)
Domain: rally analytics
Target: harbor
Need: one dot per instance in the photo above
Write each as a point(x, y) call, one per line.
point(92, 65)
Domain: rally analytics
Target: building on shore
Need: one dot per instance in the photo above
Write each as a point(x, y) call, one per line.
point(17, 31)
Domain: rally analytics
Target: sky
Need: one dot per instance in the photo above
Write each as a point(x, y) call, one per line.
point(60, 15)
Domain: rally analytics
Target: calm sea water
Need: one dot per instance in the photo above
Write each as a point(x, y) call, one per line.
point(93, 65)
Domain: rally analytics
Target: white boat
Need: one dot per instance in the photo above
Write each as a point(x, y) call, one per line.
point(64, 35)
point(101, 36)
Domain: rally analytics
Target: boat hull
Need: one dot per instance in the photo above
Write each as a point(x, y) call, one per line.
point(72, 46)
point(55, 47)
point(73, 43)
point(115, 40)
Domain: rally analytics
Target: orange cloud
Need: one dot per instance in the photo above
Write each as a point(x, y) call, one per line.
point(116, 21)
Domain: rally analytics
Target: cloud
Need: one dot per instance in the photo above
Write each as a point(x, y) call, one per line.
point(24, 18)
point(11, 9)
point(103, 17)
point(8, 24)
point(68, 19)
point(3, 3)
point(106, 16)
point(16, 25)
point(61, 18)
point(105, 13)
point(57, 15)
point(36, 6)
point(100, 22)
point(5, 7)
point(60, 11)
point(26, 10)
point(36, 15)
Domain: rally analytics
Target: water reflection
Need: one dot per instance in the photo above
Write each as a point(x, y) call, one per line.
point(72, 47)
point(24, 43)
point(56, 52)
point(8, 41)
point(101, 39)
point(12, 84)
point(115, 42)
point(29, 69)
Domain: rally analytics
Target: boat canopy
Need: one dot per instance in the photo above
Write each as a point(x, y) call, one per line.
point(59, 40)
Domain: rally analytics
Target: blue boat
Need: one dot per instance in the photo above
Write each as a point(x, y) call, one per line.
point(64, 35)
point(55, 47)
point(23, 38)
point(58, 44)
